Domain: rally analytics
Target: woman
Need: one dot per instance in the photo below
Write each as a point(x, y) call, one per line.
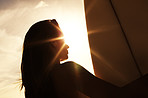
point(44, 77)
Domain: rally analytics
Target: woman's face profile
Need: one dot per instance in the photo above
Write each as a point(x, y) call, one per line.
point(61, 49)
point(64, 53)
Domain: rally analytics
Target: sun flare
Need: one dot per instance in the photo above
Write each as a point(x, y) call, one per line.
point(75, 36)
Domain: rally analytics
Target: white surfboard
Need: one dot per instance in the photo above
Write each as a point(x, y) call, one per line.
point(118, 38)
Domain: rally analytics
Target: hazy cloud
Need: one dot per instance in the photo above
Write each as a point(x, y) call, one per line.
point(5, 4)
point(8, 42)
point(9, 58)
point(12, 4)
point(41, 4)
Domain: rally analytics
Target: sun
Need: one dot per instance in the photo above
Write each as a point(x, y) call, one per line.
point(75, 35)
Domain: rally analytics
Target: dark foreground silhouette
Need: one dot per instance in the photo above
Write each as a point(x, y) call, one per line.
point(44, 77)
point(138, 88)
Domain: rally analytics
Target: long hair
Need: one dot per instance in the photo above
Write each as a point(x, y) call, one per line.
point(37, 53)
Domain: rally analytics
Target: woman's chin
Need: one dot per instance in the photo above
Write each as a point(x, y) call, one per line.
point(63, 59)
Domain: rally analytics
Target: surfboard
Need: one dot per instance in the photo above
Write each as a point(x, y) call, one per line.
point(118, 37)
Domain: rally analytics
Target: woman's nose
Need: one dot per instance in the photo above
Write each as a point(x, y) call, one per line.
point(66, 46)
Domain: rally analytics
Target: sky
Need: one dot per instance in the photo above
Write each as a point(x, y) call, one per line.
point(16, 16)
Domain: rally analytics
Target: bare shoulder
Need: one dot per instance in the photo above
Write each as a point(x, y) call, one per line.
point(72, 66)
point(67, 68)
point(71, 70)
point(64, 79)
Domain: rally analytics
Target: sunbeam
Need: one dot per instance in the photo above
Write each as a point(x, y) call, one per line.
point(107, 65)
point(44, 41)
point(90, 5)
point(54, 59)
point(102, 29)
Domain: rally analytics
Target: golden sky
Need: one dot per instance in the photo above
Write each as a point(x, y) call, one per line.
point(16, 16)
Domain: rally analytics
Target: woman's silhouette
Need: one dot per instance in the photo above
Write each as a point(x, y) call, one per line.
point(44, 77)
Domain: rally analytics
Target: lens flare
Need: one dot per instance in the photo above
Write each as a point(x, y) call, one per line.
point(50, 65)
point(45, 41)
point(108, 66)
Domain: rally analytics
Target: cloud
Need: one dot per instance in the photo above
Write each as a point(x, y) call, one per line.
point(41, 4)
point(12, 4)
point(9, 59)
point(9, 43)
point(5, 4)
